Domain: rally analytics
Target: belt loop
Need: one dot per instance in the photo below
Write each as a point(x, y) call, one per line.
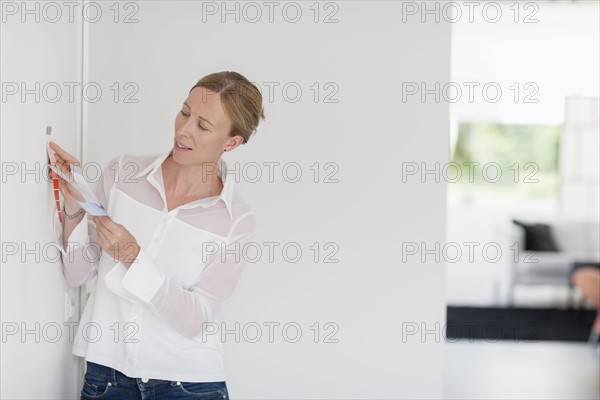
point(113, 376)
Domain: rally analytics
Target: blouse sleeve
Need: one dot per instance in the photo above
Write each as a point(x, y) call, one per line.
point(186, 310)
point(80, 258)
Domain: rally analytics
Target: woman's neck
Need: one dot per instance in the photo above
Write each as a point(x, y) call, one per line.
point(191, 181)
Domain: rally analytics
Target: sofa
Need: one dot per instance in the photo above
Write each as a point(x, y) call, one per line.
point(575, 240)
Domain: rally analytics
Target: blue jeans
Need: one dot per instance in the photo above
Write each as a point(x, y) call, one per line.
point(101, 382)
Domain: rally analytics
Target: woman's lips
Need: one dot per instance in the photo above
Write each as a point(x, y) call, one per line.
point(181, 149)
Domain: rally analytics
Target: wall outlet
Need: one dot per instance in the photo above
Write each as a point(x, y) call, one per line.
point(70, 304)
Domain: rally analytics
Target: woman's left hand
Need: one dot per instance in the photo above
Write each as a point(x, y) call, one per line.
point(116, 240)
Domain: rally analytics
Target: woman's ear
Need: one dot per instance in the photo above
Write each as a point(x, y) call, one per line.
point(234, 142)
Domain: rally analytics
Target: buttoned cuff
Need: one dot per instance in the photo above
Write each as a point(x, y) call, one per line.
point(113, 281)
point(77, 238)
point(143, 278)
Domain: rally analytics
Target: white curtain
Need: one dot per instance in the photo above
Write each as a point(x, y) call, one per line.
point(579, 159)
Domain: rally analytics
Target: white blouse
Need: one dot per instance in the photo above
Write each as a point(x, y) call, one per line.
point(159, 319)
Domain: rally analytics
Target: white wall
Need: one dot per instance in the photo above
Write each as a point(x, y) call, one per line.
point(370, 293)
point(39, 364)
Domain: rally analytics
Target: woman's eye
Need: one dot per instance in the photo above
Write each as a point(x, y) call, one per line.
point(187, 115)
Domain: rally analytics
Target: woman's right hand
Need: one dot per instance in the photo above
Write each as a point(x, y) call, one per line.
point(63, 159)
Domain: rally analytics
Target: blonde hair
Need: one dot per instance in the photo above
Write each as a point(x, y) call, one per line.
point(241, 100)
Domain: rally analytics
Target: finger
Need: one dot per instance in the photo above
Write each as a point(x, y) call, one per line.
point(64, 164)
point(104, 223)
point(109, 224)
point(99, 225)
point(102, 237)
point(62, 153)
point(59, 159)
point(97, 221)
point(105, 235)
point(65, 170)
point(60, 163)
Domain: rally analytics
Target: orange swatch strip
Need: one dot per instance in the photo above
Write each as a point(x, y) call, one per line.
point(52, 160)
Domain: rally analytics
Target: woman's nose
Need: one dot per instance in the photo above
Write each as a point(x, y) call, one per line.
point(185, 130)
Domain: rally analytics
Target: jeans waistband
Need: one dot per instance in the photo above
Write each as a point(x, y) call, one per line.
point(116, 376)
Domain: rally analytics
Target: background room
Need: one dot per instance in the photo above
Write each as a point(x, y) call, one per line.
point(529, 139)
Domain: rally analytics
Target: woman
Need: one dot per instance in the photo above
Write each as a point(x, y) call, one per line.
point(171, 253)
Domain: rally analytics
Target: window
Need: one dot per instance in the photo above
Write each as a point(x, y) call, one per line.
point(505, 161)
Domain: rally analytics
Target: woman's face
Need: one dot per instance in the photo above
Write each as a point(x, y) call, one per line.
point(203, 126)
